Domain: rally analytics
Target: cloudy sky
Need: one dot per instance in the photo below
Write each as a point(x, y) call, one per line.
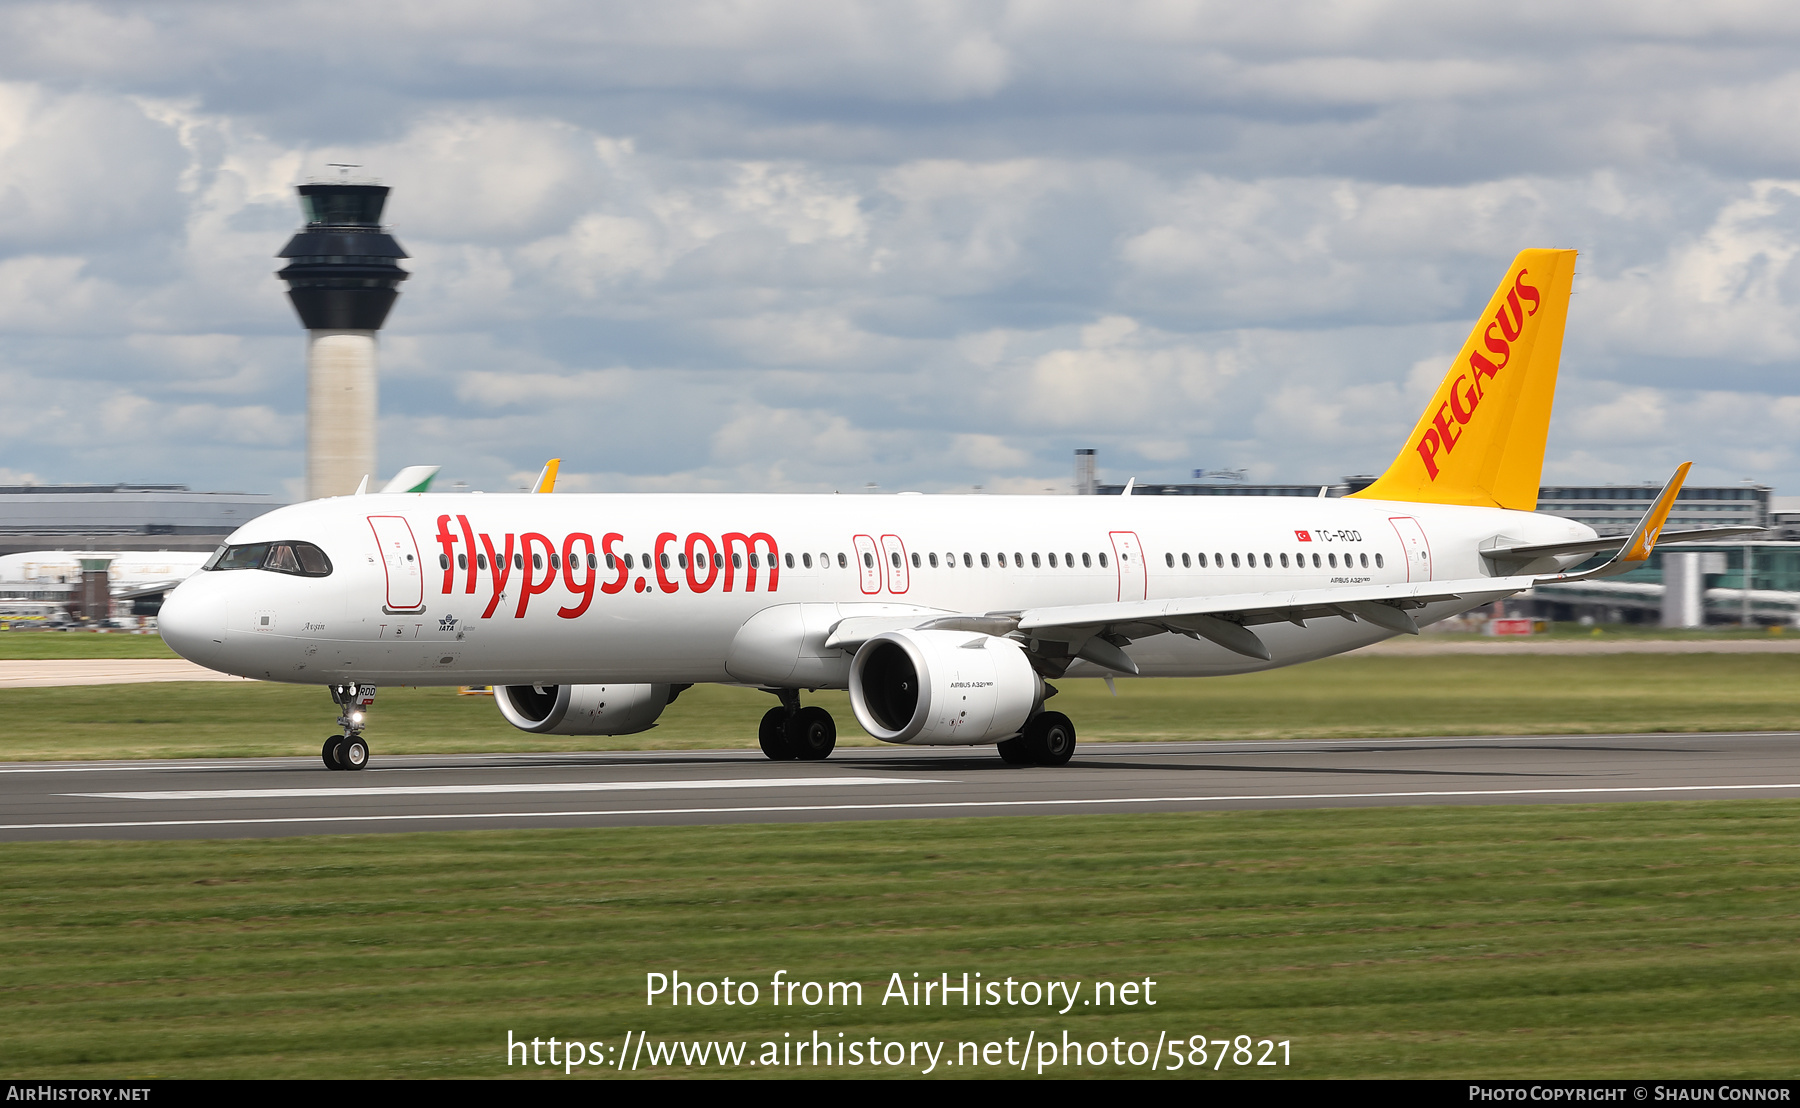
point(789, 245)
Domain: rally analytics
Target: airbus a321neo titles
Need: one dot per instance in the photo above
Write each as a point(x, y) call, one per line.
point(946, 617)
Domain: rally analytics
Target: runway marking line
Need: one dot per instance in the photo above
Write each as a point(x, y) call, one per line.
point(521, 787)
point(897, 806)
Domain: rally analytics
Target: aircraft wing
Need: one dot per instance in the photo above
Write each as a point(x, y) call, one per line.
point(1226, 620)
point(136, 592)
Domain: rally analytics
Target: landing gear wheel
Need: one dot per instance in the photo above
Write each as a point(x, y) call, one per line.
point(812, 734)
point(772, 736)
point(1050, 739)
point(330, 751)
point(354, 752)
point(1014, 752)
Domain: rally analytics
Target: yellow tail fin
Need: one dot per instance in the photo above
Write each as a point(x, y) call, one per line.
point(1481, 439)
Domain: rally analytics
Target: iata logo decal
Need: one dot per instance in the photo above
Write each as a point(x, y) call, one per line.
point(1468, 388)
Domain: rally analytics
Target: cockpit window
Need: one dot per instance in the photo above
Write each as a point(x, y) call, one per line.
point(302, 559)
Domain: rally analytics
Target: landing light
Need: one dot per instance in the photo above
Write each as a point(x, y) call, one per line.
point(356, 717)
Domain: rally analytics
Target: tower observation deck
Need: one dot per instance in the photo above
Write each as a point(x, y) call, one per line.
point(343, 276)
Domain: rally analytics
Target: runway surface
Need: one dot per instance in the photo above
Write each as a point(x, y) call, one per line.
point(298, 796)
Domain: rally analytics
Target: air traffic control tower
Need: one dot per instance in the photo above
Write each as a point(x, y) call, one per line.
point(343, 275)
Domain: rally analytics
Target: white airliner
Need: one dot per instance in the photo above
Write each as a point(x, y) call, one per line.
point(126, 569)
point(945, 617)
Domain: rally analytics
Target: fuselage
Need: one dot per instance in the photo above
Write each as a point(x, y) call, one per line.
point(435, 589)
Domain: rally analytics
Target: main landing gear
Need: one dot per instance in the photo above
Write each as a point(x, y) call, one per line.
point(1048, 740)
point(349, 750)
point(792, 733)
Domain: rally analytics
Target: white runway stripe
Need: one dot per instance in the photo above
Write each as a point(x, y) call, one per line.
point(896, 806)
point(522, 787)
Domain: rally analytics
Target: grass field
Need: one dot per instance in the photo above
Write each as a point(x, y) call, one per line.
point(80, 644)
point(1340, 697)
point(1585, 941)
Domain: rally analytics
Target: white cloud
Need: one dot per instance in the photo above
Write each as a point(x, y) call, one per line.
point(808, 245)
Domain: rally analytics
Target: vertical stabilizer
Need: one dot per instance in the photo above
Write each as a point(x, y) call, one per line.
point(1481, 439)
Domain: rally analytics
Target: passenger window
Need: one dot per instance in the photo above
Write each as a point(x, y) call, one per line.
point(1169, 560)
point(519, 561)
point(968, 562)
point(1036, 563)
point(894, 557)
point(1068, 559)
point(1018, 560)
point(462, 561)
point(664, 559)
point(481, 561)
point(806, 561)
point(680, 560)
point(1103, 559)
point(593, 562)
point(1378, 562)
point(868, 559)
point(755, 562)
point(984, 560)
point(1053, 559)
point(1087, 560)
point(1364, 558)
point(1331, 560)
point(1315, 561)
point(1234, 562)
point(788, 558)
point(1187, 562)
point(934, 561)
point(915, 561)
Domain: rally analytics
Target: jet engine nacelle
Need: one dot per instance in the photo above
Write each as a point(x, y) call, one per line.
point(582, 709)
point(942, 688)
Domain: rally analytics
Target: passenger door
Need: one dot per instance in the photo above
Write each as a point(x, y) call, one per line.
point(1412, 541)
point(400, 561)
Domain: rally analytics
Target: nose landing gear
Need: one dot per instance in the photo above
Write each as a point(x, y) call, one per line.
point(349, 750)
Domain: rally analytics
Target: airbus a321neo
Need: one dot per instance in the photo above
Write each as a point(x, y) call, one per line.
point(946, 617)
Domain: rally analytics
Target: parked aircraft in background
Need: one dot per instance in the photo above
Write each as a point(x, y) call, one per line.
point(946, 617)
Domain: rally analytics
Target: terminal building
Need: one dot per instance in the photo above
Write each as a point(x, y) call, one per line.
point(122, 517)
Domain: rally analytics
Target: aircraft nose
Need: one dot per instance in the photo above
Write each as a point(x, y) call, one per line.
point(192, 622)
